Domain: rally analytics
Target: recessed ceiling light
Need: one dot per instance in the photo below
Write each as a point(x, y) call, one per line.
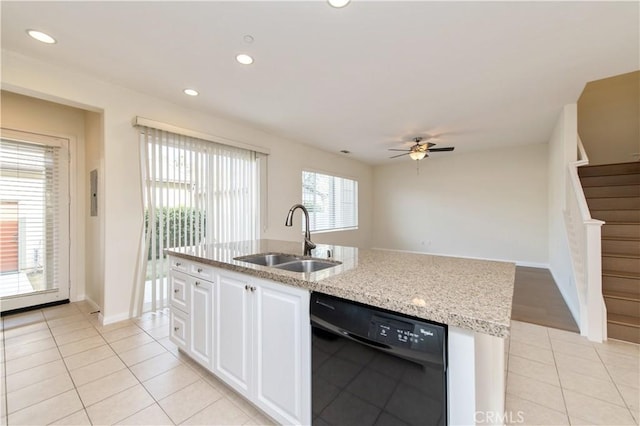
point(338, 3)
point(40, 36)
point(244, 59)
point(190, 92)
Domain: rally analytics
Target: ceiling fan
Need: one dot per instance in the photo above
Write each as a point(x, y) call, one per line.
point(419, 150)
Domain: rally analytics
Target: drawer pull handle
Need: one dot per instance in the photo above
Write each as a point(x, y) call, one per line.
point(176, 290)
point(199, 269)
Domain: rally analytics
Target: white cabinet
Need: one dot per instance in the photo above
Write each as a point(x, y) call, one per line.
point(233, 331)
point(179, 332)
point(262, 344)
point(253, 334)
point(201, 342)
point(282, 356)
point(192, 311)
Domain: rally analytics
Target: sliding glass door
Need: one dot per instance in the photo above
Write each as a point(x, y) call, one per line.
point(34, 219)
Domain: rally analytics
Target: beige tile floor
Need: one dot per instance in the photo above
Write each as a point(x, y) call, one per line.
point(557, 377)
point(60, 366)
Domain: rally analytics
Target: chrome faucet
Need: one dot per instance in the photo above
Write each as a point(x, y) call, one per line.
point(308, 244)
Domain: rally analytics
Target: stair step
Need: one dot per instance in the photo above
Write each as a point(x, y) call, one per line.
point(626, 246)
point(623, 327)
point(620, 282)
point(614, 203)
point(621, 262)
point(610, 169)
point(622, 306)
point(621, 229)
point(616, 215)
point(612, 191)
point(631, 179)
point(621, 295)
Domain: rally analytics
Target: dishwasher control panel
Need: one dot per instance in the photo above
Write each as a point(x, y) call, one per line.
point(400, 334)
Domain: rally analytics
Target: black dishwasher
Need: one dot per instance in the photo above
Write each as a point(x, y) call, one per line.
point(375, 367)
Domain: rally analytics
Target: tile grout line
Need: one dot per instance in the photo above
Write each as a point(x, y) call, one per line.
point(562, 389)
point(75, 388)
point(624, 401)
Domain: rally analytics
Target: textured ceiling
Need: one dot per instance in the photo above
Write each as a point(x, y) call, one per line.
point(363, 78)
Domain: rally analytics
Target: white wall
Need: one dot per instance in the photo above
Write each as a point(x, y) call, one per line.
point(563, 148)
point(94, 225)
point(37, 116)
point(121, 193)
point(609, 119)
point(486, 204)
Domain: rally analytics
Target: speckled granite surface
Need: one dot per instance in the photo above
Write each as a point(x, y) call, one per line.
point(466, 293)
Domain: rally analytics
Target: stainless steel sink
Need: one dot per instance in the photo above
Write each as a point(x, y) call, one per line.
point(288, 262)
point(307, 265)
point(268, 259)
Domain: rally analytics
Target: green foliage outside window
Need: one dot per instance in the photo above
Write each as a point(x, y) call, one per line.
point(177, 226)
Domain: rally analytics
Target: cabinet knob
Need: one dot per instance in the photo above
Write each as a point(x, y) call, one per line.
point(175, 290)
point(246, 287)
point(199, 269)
point(178, 263)
point(253, 288)
point(176, 328)
point(197, 283)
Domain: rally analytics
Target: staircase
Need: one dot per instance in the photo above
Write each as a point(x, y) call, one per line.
point(613, 195)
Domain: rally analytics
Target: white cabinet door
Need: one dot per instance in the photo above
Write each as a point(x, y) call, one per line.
point(201, 321)
point(179, 331)
point(179, 291)
point(232, 334)
point(282, 352)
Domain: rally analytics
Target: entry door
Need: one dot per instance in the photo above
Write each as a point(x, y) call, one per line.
point(34, 219)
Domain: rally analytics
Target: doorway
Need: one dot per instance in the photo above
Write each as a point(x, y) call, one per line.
point(34, 220)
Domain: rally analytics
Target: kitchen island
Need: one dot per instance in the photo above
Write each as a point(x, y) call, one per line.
point(472, 297)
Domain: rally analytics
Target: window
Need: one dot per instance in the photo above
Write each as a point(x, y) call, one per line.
point(195, 193)
point(332, 201)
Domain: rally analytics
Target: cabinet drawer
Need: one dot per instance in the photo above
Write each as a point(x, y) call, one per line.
point(201, 271)
point(179, 331)
point(179, 264)
point(179, 292)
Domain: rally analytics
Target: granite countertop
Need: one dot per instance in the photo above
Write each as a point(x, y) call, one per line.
point(466, 293)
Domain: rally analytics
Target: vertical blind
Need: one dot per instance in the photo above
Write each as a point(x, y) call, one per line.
point(29, 215)
point(196, 192)
point(332, 201)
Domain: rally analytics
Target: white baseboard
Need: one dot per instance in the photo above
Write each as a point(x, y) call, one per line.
point(113, 318)
point(93, 304)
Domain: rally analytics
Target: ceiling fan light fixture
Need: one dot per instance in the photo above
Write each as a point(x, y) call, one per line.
point(417, 155)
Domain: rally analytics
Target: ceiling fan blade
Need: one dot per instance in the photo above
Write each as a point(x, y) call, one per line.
point(404, 150)
point(450, 148)
point(400, 155)
point(430, 144)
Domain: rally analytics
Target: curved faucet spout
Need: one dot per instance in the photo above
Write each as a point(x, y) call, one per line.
point(308, 244)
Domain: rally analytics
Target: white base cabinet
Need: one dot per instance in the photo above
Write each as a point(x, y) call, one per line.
point(191, 314)
point(254, 333)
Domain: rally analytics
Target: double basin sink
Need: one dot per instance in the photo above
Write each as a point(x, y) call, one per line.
point(289, 262)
